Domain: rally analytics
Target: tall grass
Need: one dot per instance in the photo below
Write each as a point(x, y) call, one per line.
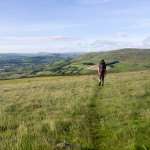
point(39, 113)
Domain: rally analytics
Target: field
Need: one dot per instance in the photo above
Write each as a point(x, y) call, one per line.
point(39, 113)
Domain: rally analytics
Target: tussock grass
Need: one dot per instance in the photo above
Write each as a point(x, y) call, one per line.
point(38, 113)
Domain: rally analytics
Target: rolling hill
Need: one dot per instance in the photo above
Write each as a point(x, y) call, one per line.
point(125, 60)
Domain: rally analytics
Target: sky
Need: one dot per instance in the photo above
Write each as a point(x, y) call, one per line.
point(57, 26)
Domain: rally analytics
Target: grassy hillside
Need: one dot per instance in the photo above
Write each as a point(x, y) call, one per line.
point(124, 60)
point(38, 113)
point(128, 59)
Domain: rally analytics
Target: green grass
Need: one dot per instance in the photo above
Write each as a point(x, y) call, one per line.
point(126, 67)
point(129, 60)
point(38, 113)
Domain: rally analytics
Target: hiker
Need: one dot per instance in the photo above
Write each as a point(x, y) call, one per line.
point(101, 72)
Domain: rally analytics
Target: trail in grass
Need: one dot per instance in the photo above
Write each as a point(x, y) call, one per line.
point(94, 117)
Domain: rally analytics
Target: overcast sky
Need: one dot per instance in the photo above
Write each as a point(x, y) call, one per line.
point(73, 25)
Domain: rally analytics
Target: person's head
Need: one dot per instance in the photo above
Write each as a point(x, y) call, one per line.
point(102, 61)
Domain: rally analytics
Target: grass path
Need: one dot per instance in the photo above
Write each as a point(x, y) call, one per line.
point(94, 117)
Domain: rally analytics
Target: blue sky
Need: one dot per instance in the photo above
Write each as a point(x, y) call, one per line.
point(73, 25)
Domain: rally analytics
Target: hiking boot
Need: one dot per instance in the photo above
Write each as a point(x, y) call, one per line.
point(99, 83)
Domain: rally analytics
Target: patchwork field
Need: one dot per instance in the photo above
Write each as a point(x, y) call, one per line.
point(39, 113)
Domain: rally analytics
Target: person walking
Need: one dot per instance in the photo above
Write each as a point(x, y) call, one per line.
point(101, 72)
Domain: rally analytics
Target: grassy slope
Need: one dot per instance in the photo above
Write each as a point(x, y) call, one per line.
point(129, 60)
point(38, 113)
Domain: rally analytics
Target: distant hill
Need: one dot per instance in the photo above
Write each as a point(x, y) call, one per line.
point(41, 64)
point(17, 65)
point(117, 61)
point(130, 55)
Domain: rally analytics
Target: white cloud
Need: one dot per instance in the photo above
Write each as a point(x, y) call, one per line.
point(36, 27)
point(146, 40)
point(145, 43)
point(119, 34)
point(103, 43)
point(18, 49)
point(141, 23)
point(56, 38)
point(38, 48)
point(82, 46)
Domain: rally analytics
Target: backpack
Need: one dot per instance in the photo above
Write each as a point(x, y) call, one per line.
point(102, 66)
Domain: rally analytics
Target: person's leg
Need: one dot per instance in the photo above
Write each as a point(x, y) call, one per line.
point(102, 79)
point(99, 78)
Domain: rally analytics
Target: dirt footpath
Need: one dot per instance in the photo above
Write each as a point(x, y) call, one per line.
point(95, 67)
